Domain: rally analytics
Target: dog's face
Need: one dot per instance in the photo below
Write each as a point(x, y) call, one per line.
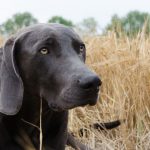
point(50, 61)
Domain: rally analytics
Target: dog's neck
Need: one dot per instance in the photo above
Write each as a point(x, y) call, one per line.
point(53, 123)
point(32, 102)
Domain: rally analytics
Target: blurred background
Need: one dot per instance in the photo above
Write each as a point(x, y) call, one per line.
point(88, 17)
point(117, 38)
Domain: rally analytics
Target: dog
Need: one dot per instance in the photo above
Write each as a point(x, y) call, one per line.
point(43, 75)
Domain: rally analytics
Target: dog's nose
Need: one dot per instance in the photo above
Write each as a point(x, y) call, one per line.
point(89, 82)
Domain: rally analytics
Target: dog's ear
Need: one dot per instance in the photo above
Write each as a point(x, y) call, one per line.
point(11, 85)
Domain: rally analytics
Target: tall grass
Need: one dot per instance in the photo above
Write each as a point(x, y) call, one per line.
point(124, 67)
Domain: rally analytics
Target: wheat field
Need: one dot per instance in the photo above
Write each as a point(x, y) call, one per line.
point(124, 67)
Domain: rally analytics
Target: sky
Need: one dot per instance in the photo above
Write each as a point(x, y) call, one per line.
point(77, 10)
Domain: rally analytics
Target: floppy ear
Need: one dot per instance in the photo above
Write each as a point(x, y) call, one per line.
point(11, 86)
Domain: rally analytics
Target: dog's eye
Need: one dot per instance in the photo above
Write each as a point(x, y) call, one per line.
point(44, 51)
point(82, 48)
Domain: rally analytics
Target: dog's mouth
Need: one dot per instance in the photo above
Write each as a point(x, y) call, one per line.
point(69, 100)
point(83, 98)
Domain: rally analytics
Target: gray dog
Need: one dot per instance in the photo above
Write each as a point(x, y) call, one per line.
point(43, 64)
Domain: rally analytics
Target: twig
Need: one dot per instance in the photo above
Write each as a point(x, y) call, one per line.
point(31, 124)
point(39, 128)
point(41, 134)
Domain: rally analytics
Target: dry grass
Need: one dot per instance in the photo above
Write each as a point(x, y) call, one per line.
point(124, 67)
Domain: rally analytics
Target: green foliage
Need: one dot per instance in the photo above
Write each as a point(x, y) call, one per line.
point(17, 21)
point(131, 24)
point(115, 25)
point(134, 22)
point(61, 20)
point(88, 26)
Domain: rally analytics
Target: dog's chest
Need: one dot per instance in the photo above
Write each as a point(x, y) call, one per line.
point(29, 128)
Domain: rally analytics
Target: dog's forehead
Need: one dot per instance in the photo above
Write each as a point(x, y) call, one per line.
point(58, 31)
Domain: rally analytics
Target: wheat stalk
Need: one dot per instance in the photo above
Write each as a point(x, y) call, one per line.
point(39, 128)
point(41, 133)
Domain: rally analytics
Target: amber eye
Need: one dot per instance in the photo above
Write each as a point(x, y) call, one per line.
point(82, 47)
point(44, 51)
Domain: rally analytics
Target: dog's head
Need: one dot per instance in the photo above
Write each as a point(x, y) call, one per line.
point(47, 60)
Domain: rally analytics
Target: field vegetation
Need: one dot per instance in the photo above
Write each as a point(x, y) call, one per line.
point(123, 64)
point(124, 67)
